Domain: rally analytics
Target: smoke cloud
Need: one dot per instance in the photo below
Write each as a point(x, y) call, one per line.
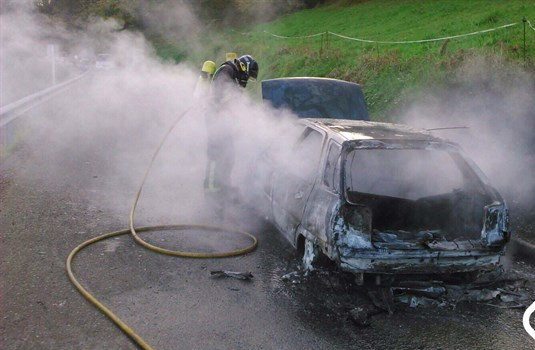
point(99, 136)
point(24, 65)
point(114, 119)
point(494, 100)
point(175, 20)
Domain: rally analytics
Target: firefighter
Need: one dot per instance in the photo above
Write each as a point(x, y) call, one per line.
point(231, 75)
point(235, 71)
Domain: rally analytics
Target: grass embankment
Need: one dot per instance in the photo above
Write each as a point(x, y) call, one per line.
point(389, 73)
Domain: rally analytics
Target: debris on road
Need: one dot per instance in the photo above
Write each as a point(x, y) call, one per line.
point(294, 277)
point(344, 297)
point(419, 301)
point(501, 293)
point(360, 316)
point(244, 276)
point(383, 298)
point(425, 289)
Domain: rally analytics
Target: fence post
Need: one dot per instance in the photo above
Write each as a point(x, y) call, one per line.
point(524, 22)
point(321, 45)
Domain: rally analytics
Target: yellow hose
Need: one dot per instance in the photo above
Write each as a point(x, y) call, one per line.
point(132, 230)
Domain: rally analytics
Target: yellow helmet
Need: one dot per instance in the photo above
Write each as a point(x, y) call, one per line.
point(230, 56)
point(208, 67)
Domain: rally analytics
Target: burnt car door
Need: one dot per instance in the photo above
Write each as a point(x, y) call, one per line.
point(324, 197)
point(292, 183)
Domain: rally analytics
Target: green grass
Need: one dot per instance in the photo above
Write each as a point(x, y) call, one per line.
point(389, 73)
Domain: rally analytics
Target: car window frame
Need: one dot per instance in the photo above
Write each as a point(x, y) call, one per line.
point(304, 134)
point(332, 187)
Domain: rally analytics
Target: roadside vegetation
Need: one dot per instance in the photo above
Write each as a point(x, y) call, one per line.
point(389, 73)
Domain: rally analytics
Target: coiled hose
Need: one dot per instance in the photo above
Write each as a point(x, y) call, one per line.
point(134, 232)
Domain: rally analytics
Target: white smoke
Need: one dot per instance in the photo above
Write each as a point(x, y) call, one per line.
point(113, 120)
point(494, 100)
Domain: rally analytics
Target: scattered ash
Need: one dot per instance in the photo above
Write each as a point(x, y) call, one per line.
point(332, 293)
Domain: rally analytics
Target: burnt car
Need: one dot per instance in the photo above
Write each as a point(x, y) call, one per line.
point(381, 198)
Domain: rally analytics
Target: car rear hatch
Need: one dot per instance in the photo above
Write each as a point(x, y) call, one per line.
point(421, 195)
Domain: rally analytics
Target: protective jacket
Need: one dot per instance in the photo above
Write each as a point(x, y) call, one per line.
point(227, 73)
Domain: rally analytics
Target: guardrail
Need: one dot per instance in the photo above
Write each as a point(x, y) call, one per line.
point(11, 111)
point(12, 132)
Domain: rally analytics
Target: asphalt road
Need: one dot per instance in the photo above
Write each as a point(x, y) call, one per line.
point(60, 188)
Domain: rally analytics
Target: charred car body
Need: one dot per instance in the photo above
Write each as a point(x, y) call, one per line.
point(379, 198)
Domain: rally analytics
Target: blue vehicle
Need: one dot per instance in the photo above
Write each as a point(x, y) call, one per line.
point(316, 97)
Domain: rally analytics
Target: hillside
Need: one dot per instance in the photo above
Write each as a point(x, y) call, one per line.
point(389, 73)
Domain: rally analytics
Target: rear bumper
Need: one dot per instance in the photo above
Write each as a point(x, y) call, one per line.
point(417, 261)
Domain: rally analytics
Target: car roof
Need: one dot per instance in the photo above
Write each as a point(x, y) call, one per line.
point(346, 130)
point(311, 79)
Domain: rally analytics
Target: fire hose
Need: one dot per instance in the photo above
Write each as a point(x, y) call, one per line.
point(134, 232)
